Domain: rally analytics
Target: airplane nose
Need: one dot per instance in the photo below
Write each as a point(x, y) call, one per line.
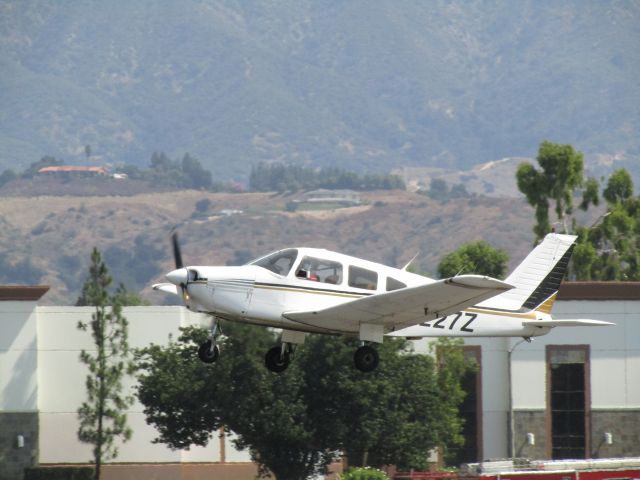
point(179, 276)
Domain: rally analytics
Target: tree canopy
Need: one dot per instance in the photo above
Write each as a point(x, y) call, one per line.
point(561, 173)
point(476, 257)
point(294, 424)
point(282, 177)
point(610, 249)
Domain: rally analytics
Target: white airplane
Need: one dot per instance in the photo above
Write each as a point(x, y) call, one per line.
point(308, 290)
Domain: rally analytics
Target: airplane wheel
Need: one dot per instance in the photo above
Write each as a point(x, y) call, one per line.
point(207, 354)
point(275, 362)
point(366, 358)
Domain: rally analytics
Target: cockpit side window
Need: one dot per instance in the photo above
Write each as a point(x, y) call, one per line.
point(363, 278)
point(319, 270)
point(279, 262)
point(393, 284)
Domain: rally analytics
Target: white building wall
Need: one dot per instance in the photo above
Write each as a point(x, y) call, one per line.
point(40, 370)
point(615, 351)
point(61, 377)
point(614, 357)
point(18, 357)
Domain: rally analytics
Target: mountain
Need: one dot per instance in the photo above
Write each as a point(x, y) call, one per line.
point(363, 85)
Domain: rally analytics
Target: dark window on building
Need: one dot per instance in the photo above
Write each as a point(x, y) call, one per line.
point(470, 411)
point(567, 377)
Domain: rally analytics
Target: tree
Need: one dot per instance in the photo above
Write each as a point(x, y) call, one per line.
point(195, 175)
point(394, 415)
point(619, 187)
point(479, 257)
point(560, 175)
point(438, 189)
point(46, 161)
point(188, 402)
point(295, 423)
point(609, 249)
point(7, 176)
point(102, 415)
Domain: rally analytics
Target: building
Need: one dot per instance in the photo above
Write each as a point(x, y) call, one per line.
point(74, 170)
point(341, 197)
point(573, 393)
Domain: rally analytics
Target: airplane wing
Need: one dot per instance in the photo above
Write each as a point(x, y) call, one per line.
point(405, 307)
point(166, 287)
point(567, 323)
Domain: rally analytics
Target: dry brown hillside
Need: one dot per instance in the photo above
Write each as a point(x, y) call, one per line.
point(57, 233)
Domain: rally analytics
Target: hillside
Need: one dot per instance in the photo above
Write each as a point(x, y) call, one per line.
point(367, 86)
point(57, 233)
point(50, 238)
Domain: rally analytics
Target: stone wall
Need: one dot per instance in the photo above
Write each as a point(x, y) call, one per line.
point(13, 459)
point(623, 424)
point(531, 421)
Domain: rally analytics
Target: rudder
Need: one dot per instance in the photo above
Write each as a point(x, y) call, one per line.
point(537, 279)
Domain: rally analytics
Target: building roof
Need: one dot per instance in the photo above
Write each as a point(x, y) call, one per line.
point(73, 169)
point(27, 293)
point(599, 291)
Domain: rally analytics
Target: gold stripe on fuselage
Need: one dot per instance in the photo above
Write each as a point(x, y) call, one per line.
point(310, 290)
point(531, 314)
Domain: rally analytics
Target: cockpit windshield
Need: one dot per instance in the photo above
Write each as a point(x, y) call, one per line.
point(278, 262)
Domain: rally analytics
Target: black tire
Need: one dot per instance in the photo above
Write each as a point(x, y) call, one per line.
point(206, 354)
point(366, 358)
point(275, 361)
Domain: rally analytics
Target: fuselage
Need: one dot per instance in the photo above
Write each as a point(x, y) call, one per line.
point(305, 279)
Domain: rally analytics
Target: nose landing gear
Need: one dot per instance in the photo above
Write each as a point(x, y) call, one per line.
point(208, 352)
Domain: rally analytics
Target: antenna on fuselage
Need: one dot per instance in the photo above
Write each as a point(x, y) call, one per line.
point(410, 261)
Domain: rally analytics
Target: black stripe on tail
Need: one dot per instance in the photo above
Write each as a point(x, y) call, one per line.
point(551, 282)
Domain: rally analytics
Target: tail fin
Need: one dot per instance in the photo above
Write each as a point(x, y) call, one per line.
point(537, 278)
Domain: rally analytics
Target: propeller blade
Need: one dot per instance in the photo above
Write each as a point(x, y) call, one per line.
point(177, 256)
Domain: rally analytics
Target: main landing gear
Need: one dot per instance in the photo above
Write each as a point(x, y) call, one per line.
point(278, 358)
point(366, 358)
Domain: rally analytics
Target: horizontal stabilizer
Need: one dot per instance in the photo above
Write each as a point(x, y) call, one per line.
point(567, 323)
point(166, 287)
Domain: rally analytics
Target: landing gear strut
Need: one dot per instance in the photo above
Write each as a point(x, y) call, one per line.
point(278, 358)
point(208, 352)
point(366, 358)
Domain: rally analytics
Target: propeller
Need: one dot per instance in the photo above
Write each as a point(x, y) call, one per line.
point(177, 256)
point(180, 276)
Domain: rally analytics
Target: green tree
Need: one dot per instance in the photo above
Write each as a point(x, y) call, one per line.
point(561, 173)
point(7, 176)
point(295, 423)
point(102, 415)
point(619, 187)
point(477, 257)
point(609, 250)
point(195, 175)
point(46, 161)
point(438, 189)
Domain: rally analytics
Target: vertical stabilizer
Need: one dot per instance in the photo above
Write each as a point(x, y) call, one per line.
point(537, 278)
